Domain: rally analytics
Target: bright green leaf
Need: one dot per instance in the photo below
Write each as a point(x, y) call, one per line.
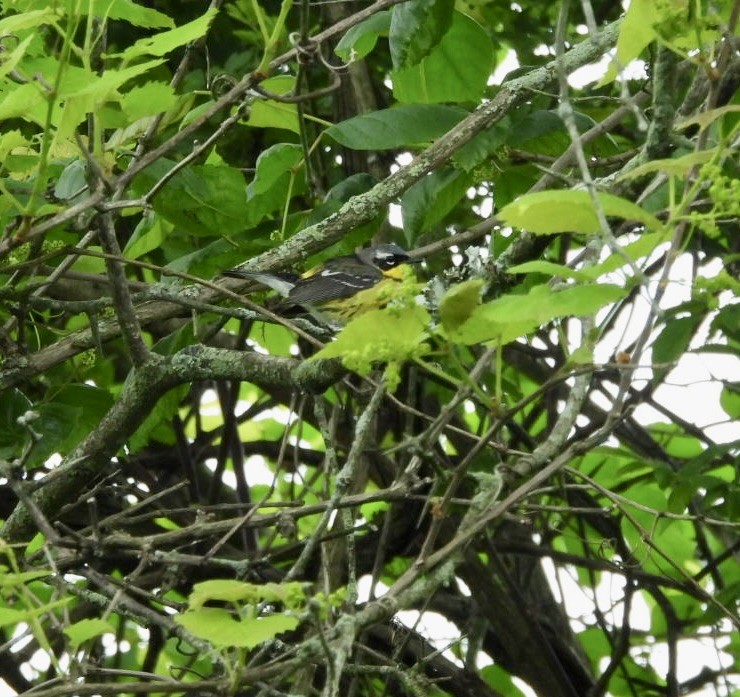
point(221, 629)
point(23, 101)
point(729, 399)
point(548, 268)
point(636, 32)
point(265, 113)
point(379, 336)
point(14, 23)
point(292, 594)
point(84, 630)
point(548, 212)
point(268, 191)
point(147, 100)
point(133, 14)
point(677, 167)
point(272, 164)
point(161, 44)
point(642, 247)
point(361, 39)
point(10, 616)
point(458, 303)
point(150, 232)
point(706, 118)
point(10, 60)
point(506, 318)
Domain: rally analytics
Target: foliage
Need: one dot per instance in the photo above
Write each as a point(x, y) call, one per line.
point(199, 496)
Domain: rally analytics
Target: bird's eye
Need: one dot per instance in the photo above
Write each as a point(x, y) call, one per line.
point(390, 261)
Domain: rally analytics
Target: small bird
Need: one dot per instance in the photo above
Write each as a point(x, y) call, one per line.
point(340, 288)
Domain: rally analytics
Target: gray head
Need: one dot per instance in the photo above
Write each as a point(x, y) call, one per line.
point(384, 256)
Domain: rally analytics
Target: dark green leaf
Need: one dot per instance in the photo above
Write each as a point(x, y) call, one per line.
point(673, 341)
point(482, 146)
point(405, 125)
point(199, 200)
point(416, 28)
point(456, 70)
point(430, 200)
point(13, 436)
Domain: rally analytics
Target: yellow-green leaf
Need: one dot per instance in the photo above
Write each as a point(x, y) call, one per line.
point(458, 303)
point(548, 212)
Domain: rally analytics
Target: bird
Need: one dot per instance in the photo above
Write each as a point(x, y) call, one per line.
point(341, 288)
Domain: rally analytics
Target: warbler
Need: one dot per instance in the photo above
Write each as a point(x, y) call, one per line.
point(340, 288)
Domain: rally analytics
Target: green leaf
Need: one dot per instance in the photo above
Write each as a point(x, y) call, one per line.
point(199, 200)
point(10, 616)
point(13, 437)
point(222, 630)
point(266, 113)
point(147, 100)
point(97, 88)
point(674, 538)
point(456, 70)
point(11, 59)
point(272, 164)
point(380, 336)
point(548, 212)
point(292, 594)
point(148, 235)
point(75, 410)
point(23, 101)
point(672, 342)
point(548, 268)
point(161, 44)
point(403, 125)
point(636, 33)
point(506, 318)
point(132, 13)
point(477, 150)
point(156, 424)
point(458, 303)
point(729, 399)
point(360, 40)
point(431, 199)
point(24, 20)
point(706, 118)
point(643, 246)
point(73, 180)
point(416, 28)
point(84, 630)
point(268, 190)
point(677, 166)
point(500, 681)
